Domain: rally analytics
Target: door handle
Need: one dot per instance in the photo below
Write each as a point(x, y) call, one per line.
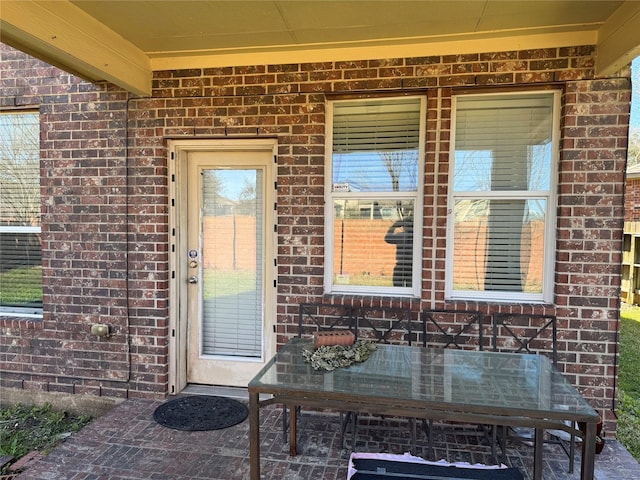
point(193, 279)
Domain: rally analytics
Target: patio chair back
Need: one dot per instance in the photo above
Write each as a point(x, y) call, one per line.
point(378, 324)
point(461, 329)
point(321, 317)
point(526, 333)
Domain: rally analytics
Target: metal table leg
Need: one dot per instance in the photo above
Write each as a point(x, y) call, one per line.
point(254, 436)
point(588, 451)
point(293, 423)
point(537, 453)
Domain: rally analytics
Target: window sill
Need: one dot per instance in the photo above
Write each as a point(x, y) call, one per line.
point(11, 320)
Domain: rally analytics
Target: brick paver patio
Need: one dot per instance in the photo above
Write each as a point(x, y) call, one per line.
point(127, 443)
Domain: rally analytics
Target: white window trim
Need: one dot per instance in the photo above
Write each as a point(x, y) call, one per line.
point(416, 280)
point(548, 274)
point(20, 229)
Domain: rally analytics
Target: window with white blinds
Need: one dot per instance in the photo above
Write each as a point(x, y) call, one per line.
point(375, 166)
point(20, 247)
point(501, 224)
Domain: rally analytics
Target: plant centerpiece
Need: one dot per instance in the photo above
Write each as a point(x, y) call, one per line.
point(330, 357)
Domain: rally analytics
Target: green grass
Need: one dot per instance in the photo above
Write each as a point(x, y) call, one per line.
point(370, 280)
point(24, 429)
point(20, 286)
point(221, 283)
point(628, 430)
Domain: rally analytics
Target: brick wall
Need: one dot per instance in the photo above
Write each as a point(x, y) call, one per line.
point(98, 144)
point(589, 237)
point(632, 200)
point(93, 238)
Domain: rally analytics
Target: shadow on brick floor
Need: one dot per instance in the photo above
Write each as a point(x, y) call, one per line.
point(126, 443)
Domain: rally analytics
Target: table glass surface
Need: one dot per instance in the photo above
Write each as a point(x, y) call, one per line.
point(507, 381)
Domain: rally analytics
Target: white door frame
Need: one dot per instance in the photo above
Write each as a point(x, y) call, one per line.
point(178, 151)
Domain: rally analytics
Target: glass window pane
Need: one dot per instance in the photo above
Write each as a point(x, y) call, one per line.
point(503, 143)
point(373, 242)
point(20, 166)
point(232, 262)
point(375, 145)
point(20, 270)
point(20, 247)
point(395, 171)
point(499, 245)
point(382, 124)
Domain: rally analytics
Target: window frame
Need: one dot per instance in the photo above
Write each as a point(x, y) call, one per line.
point(546, 294)
point(332, 288)
point(16, 311)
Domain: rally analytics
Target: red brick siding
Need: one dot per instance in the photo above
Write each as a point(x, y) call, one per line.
point(632, 200)
point(591, 213)
point(90, 159)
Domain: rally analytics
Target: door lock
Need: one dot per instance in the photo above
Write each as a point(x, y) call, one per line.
point(193, 279)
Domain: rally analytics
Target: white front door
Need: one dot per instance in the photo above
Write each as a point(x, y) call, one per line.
point(225, 256)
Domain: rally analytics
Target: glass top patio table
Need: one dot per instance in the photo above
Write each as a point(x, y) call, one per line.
point(448, 384)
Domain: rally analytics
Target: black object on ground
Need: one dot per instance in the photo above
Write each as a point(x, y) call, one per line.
point(200, 412)
point(370, 469)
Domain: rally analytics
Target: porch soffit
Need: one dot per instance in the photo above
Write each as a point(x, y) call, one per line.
point(124, 42)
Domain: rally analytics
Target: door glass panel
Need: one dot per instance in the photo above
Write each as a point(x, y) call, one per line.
point(232, 262)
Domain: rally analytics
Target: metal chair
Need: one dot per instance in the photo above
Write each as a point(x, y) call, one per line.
point(460, 329)
point(381, 325)
point(529, 333)
point(524, 333)
point(377, 324)
point(314, 317)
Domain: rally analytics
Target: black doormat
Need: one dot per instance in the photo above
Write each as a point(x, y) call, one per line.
point(200, 412)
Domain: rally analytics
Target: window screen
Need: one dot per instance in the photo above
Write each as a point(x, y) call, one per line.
point(20, 247)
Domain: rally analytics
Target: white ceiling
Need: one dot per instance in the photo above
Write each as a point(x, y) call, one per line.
point(190, 26)
point(124, 41)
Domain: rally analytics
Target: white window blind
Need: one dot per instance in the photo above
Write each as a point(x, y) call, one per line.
point(502, 176)
point(376, 125)
point(20, 247)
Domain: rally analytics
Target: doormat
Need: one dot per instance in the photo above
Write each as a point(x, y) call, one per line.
point(200, 412)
